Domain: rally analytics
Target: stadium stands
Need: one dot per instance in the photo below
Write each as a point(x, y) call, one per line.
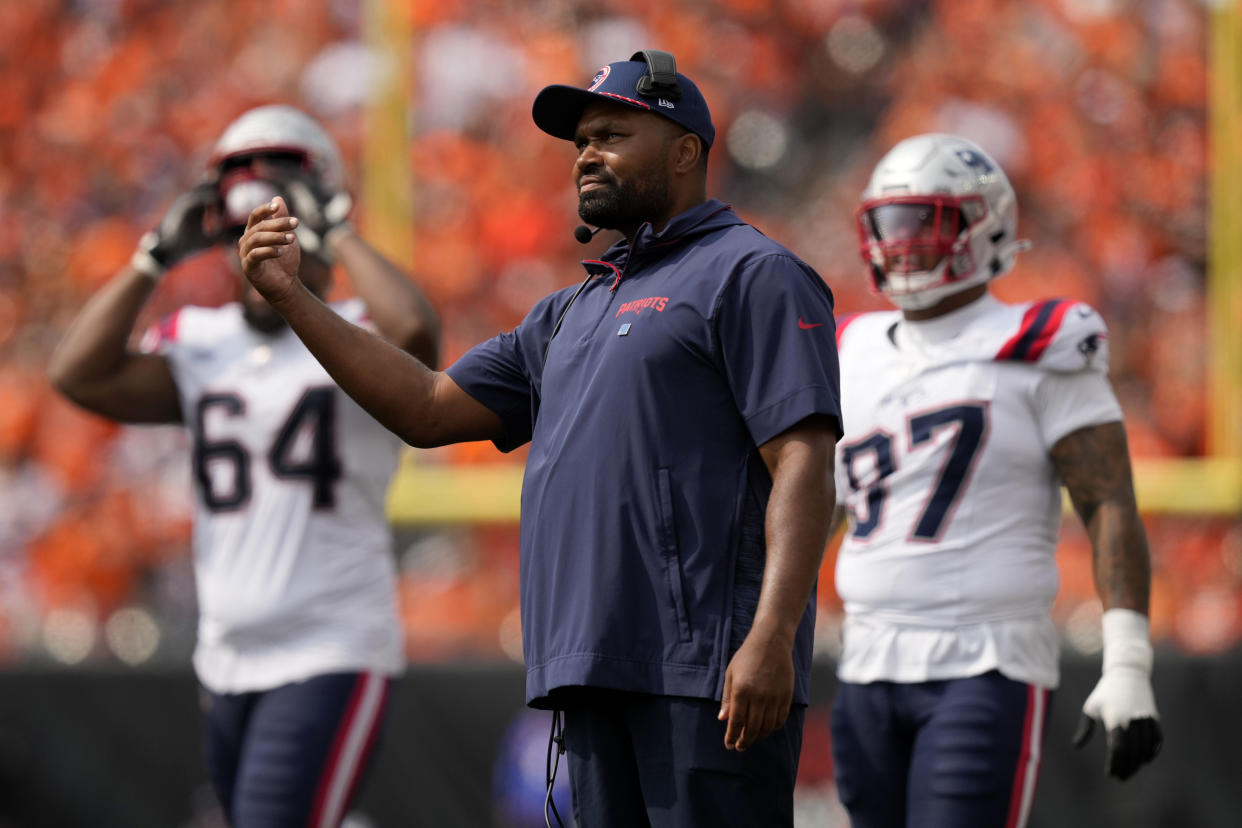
point(1096, 109)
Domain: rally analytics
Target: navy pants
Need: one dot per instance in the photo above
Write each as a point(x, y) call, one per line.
point(938, 754)
point(641, 760)
point(293, 755)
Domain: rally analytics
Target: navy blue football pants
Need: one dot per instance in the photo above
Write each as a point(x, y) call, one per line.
point(641, 760)
point(293, 755)
point(938, 754)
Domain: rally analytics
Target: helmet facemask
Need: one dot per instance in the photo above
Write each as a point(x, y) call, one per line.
point(915, 245)
point(938, 216)
point(245, 187)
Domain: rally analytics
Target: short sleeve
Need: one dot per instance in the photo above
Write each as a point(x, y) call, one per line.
point(1079, 341)
point(1066, 402)
point(777, 337)
point(503, 373)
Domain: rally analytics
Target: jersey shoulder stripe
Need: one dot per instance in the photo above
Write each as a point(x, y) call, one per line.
point(1053, 335)
point(1039, 325)
point(162, 333)
point(194, 326)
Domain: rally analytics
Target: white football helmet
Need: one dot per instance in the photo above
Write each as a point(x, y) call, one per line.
point(281, 131)
point(937, 217)
point(263, 140)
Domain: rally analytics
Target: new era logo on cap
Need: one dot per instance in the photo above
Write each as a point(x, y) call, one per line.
point(558, 108)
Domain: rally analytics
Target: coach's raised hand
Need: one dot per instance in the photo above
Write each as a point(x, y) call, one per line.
point(270, 254)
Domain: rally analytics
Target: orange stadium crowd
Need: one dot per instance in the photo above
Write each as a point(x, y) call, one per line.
point(1097, 110)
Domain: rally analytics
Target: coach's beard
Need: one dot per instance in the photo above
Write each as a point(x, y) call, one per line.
point(601, 207)
point(622, 207)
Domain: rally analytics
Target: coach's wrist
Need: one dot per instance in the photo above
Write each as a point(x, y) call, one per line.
point(773, 631)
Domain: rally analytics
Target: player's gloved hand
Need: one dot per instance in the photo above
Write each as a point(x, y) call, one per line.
point(321, 212)
point(181, 233)
point(1123, 699)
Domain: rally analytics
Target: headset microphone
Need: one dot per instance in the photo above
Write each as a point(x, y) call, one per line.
point(584, 234)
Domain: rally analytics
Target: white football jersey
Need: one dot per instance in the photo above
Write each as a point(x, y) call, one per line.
point(948, 564)
point(292, 549)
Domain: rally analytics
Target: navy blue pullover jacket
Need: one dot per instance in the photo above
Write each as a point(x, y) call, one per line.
point(642, 522)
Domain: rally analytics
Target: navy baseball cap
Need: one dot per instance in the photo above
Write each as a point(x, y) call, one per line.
point(648, 81)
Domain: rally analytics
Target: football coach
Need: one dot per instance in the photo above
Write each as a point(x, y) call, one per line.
point(682, 408)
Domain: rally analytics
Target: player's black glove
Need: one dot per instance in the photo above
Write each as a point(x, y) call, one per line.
point(1123, 699)
point(181, 233)
point(321, 212)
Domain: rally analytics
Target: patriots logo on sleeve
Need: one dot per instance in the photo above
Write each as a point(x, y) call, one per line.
point(1090, 344)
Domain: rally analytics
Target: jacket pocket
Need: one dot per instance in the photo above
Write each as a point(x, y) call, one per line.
point(672, 556)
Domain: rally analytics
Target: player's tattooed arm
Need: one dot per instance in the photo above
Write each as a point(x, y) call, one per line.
point(1094, 465)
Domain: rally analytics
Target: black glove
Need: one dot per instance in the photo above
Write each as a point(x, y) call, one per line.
point(180, 234)
point(319, 210)
point(1129, 747)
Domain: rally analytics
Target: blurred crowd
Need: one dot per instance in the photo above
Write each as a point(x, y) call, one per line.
point(1096, 108)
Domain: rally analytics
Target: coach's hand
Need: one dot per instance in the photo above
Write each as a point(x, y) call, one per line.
point(269, 250)
point(758, 690)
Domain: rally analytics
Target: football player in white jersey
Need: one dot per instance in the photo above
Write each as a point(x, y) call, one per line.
point(963, 417)
point(299, 633)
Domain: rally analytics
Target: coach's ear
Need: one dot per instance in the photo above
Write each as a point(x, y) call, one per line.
point(688, 154)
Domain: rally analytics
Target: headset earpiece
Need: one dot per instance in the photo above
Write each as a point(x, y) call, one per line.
point(661, 78)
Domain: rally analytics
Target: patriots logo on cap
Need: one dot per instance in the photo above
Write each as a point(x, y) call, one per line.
point(599, 78)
